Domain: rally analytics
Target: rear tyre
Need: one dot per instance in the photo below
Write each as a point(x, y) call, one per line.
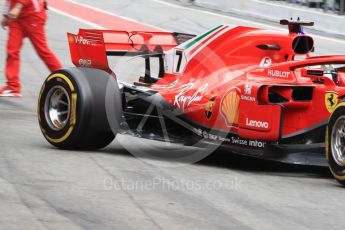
point(72, 109)
point(335, 144)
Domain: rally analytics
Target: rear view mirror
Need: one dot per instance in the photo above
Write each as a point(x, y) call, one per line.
point(317, 75)
point(312, 73)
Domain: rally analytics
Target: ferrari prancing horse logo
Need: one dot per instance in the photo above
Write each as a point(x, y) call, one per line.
point(331, 100)
point(210, 107)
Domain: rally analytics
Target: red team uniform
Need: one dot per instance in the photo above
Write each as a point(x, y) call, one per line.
point(30, 23)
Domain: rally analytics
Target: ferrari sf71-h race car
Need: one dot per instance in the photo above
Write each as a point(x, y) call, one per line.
point(252, 91)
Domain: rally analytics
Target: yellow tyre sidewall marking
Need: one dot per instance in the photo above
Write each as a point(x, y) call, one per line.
point(39, 102)
point(73, 118)
point(326, 144)
point(342, 104)
point(65, 78)
point(341, 178)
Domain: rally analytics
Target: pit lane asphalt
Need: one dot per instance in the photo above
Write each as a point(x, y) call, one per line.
point(45, 188)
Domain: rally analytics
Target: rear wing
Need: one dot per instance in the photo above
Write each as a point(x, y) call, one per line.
point(90, 48)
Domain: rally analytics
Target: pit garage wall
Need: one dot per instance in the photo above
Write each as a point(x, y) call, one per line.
point(274, 11)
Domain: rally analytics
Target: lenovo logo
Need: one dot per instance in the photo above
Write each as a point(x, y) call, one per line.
point(257, 124)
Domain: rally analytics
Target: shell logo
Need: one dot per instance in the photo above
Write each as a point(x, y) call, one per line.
point(230, 107)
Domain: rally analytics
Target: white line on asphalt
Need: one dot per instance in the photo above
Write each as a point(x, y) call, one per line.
point(112, 14)
point(77, 19)
point(179, 7)
point(238, 19)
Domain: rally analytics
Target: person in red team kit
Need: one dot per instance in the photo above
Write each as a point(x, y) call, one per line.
point(25, 18)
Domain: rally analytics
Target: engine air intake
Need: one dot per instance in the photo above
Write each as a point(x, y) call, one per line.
point(302, 44)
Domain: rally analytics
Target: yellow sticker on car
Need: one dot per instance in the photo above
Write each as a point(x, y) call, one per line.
point(230, 108)
point(331, 101)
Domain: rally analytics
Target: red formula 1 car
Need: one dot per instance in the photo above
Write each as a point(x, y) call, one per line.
point(256, 92)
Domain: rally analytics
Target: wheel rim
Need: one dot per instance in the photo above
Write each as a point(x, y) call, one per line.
point(57, 108)
point(338, 141)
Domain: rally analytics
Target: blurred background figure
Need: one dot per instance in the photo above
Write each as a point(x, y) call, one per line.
point(24, 18)
point(327, 5)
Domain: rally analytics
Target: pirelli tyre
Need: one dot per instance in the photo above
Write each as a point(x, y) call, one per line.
point(72, 108)
point(335, 144)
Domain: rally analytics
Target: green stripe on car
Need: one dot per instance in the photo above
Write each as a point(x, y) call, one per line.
point(199, 38)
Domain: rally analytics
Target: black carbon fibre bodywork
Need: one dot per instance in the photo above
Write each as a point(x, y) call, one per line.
point(144, 111)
